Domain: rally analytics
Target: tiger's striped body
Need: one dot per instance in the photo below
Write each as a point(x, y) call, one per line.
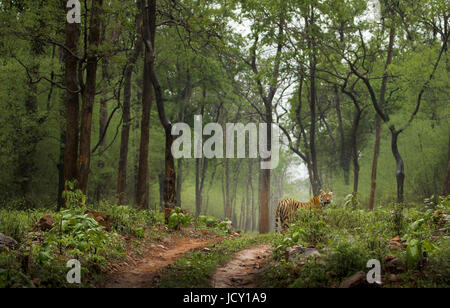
point(287, 208)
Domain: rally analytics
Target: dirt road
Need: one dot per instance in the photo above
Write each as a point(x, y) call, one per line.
point(244, 270)
point(143, 274)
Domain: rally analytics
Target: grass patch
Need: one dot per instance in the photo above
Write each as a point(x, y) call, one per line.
point(194, 270)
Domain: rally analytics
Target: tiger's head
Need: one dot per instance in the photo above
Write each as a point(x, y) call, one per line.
point(326, 197)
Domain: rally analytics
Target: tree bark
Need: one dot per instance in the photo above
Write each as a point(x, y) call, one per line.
point(400, 167)
point(446, 190)
point(198, 195)
point(344, 157)
point(89, 96)
point(227, 185)
point(103, 119)
point(354, 149)
point(247, 194)
point(142, 185)
point(72, 104)
point(316, 184)
point(381, 116)
point(376, 153)
point(170, 180)
point(126, 114)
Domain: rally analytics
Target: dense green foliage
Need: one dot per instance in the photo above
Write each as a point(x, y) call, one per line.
point(348, 237)
point(360, 90)
point(42, 255)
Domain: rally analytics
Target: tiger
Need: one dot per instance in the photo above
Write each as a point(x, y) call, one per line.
point(287, 208)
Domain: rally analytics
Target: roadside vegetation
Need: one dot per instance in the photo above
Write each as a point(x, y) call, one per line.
point(411, 242)
point(41, 242)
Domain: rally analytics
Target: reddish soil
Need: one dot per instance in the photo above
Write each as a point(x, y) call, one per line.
point(142, 273)
point(244, 270)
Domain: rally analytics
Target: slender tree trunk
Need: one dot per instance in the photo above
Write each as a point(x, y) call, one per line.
point(247, 196)
point(161, 190)
point(60, 198)
point(354, 146)
point(446, 190)
point(400, 167)
point(376, 153)
point(89, 96)
point(379, 117)
point(170, 180)
point(344, 157)
point(126, 114)
point(253, 210)
point(242, 214)
point(224, 199)
point(142, 185)
point(179, 180)
point(103, 119)
point(72, 104)
point(264, 199)
point(227, 186)
point(313, 100)
point(198, 196)
point(125, 137)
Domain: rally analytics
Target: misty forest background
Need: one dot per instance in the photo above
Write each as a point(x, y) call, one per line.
point(93, 102)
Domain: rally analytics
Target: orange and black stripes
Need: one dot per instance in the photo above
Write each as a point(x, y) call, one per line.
point(286, 209)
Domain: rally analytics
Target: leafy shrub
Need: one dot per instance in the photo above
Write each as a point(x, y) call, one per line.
point(207, 221)
point(178, 218)
point(346, 258)
point(131, 221)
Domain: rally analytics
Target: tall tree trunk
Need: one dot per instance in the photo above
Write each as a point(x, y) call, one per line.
point(247, 196)
point(72, 104)
point(142, 185)
point(126, 114)
point(161, 190)
point(400, 168)
point(60, 199)
point(103, 119)
point(89, 96)
point(376, 153)
point(312, 104)
point(125, 137)
point(446, 190)
point(380, 116)
point(179, 180)
point(170, 180)
point(227, 187)
point(264, 200)
point(253, 210)
point(198, 195)
point(354, 148)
